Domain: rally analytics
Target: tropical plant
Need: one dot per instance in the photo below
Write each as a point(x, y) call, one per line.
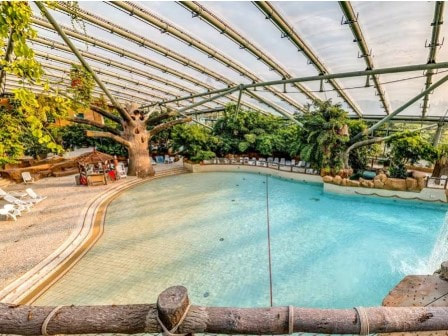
point(24, 112)
point(324, 136)
point(408, 148)
point(81, 86)
point(194, 141)
point(246, 131)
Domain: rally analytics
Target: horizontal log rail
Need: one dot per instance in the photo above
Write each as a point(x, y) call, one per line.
point(174, 313)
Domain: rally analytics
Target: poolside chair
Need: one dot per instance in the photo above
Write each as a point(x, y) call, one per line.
point(253, 161)
point(13, 209)
point(301, 164)
point(282, 161)
point(288, 162)
point(169, 159)
point(27, 178)
point(276, 160)
point(23, 205)
point(293, 162)
point(8, 214)
point(34, 197)
point(121, 170)
point(270, 159)
point(18, 194)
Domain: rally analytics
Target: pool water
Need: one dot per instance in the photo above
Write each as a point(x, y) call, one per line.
point(209, 232)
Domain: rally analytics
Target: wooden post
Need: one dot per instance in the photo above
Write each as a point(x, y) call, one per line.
point(172, 304)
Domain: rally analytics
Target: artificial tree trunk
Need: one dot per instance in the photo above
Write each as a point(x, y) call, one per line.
point(134, 134)
point(138, 150)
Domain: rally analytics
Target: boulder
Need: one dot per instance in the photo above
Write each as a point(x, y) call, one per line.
point(352, 183)
point(416, 174)
point(421, 182)
point(365, 183)
point(337, 180)
point(411, 184)
point(344, 182)
point(378, 184)
point(382, 177)
point(327, 179)
point(395, 184)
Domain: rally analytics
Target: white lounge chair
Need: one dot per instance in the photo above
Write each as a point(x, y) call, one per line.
point(6, 212)
point(282, 161)
point(25, 205)
point(14, 209)
point(18, 194)
point(293, 162)
point(34, 197)
point(27, 178)
point(121, 170)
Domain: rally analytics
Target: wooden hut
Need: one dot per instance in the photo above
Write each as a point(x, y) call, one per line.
point(95, 168)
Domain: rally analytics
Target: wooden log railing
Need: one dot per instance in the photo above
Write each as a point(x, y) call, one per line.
point(173, 310)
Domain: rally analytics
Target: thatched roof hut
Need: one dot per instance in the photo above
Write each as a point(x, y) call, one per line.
point(93, 157)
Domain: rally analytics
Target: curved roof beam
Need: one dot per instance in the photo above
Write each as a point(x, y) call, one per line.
point(352, 20)
point(105, 72)
point(235, 36)
point(433, 48)
point(113, 75)
point(168, 28)
point(115, 83)
point(136, 57)
point(104, 24)
point(118, 93)
point(271, 13)
point(118, 85)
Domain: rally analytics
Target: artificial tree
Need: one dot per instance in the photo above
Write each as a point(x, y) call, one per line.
point(134, 131)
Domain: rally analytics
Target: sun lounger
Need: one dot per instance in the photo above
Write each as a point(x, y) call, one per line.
point(14, 209)
point(27, 178)
point(282, 161)
point(34, 197)
point(25, 205)
point(293, 162)
point(18, 194)
point(8, 214)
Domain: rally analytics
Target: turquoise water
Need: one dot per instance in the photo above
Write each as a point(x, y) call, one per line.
point(209, 232)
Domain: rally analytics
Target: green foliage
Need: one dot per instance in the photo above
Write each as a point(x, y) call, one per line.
point(358, 158)
point(194, 141)
point(24, 114)
point(74, 135)
point(15, 19)
point(408, 148)
point(323, 140)
point(248, 131)
point(82, 85)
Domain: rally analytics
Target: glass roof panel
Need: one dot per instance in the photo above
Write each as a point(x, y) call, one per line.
point(395, 31)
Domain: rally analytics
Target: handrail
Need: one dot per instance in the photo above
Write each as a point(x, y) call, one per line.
point(174, 313)
point(263, 164)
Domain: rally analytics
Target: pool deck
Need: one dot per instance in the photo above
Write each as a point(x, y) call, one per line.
point(419, 291)
point(37, 235)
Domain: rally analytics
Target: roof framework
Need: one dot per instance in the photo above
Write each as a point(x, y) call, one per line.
point(194, 66)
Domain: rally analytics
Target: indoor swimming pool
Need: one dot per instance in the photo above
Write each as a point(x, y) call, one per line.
point(249, 240)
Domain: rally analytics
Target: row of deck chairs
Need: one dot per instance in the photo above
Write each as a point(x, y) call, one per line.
point(18, 202)
point(277, 163)
point(162, 159)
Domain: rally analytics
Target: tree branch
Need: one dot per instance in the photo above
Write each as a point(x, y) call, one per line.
point(106, 114)
point(164, 126)
point(161, 117)
point(98, 134)
point(95, 124)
